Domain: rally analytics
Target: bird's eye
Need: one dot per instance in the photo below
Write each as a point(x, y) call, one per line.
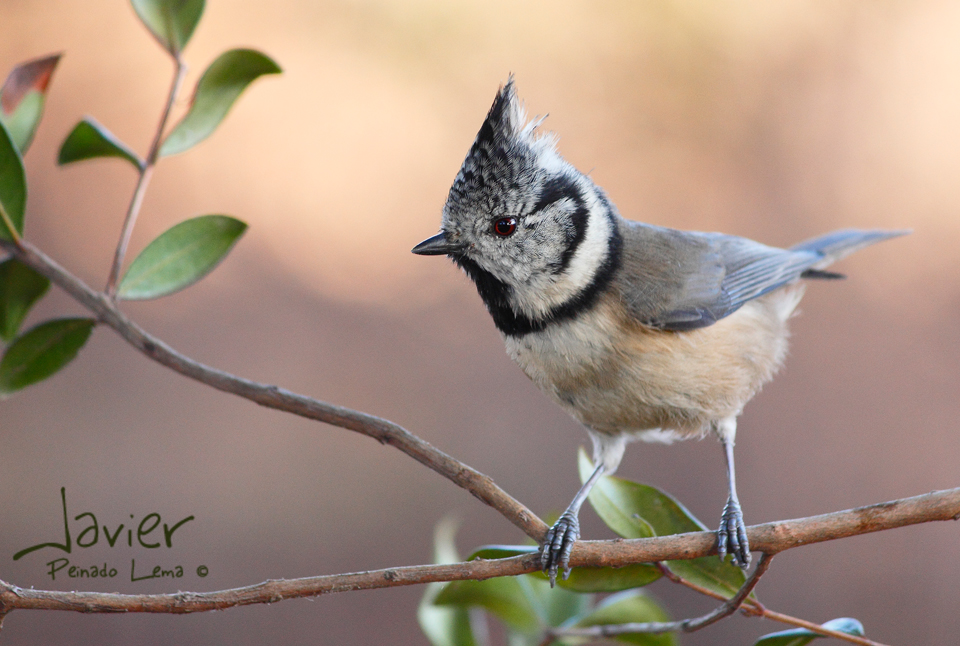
point(505, 226)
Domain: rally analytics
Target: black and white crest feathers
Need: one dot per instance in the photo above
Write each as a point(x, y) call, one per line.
point(566, 242)
point(506, 148)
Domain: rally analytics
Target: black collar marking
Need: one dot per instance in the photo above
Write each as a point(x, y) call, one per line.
point(495, 293)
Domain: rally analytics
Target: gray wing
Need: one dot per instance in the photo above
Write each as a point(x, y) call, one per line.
point(677, 280)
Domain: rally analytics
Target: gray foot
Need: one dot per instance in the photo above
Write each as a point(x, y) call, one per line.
point(732, 535)
point(555, 552)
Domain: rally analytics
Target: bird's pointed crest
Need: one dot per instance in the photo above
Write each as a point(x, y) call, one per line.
point(506, 146)
point(504, 120)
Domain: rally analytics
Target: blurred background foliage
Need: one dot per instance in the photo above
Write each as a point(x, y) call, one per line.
point(774, 120)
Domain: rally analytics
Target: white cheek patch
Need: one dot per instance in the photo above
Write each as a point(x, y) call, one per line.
point(544, 291)
point(593, 248)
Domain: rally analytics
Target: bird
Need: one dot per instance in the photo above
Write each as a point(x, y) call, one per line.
point(640, 332)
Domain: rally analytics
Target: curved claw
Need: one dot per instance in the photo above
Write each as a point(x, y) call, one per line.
point(557, 545)
point(732, 535)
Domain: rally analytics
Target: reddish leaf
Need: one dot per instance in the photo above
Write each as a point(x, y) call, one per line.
point(22, 98)
point(32, 75)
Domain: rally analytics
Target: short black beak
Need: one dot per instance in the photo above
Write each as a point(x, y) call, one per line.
point(438, 245)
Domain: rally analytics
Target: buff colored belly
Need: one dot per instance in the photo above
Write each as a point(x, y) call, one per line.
point(617, 376)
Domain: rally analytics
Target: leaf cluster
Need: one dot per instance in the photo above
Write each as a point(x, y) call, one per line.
point(533, 613)
point(177, 258)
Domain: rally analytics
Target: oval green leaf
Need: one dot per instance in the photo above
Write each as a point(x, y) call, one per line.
point(20, 288)
point(553, 606)
point(41, 352)
point(170, 21)
point(608, 579)
point(503, 597)
point(801, 636)
point(636, 510)
point(22, 98)
point(89, 139)
point(13, 188)
point(721, 577)
point(626, 608)
point(218, 88)
point(180, 256)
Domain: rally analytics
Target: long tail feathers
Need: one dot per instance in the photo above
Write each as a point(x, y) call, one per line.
point(838, 244)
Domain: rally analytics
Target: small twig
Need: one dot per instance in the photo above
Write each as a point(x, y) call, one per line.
point(753, 608)
point(675, 578)
point(684, 625)
point(17, 240)
point(735, 602)
point(817, 628)
point(146, 172)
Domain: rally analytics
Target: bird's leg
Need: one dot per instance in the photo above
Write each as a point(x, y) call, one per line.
point(732, 535)
point(558, 543)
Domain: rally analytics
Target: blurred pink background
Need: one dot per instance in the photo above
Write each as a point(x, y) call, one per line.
point(774, 120)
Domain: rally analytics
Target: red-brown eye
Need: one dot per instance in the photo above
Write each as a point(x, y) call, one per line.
point(505, 226)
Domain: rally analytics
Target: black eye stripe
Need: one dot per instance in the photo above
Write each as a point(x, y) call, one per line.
point(579, 219)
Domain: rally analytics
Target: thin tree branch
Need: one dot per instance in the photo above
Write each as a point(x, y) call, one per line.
point(676, 578)
point(753, 608)
point(683, 625)
point(939, 505)
point(731, 606)
point(382, 430)
point(817, 628)
point(271, 591)
point(146, 172)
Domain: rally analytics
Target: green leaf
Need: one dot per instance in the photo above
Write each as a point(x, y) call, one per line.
point(488, 552)
point(221, 84)
point(636, 510)
point(617, 503)
point(550, 607)
point(180, 256)
point(554, 606)
point(639, 511)
point(632, 606)
point(170, 21)
point(504, 597)
point(20, 288)
point(444, 626)
point(801, 636)
point(89, 140)
point(42, 351)
point(13, 188)
point(710, 572)
point(609, 579)
point(606, 579)
point(22, 98)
